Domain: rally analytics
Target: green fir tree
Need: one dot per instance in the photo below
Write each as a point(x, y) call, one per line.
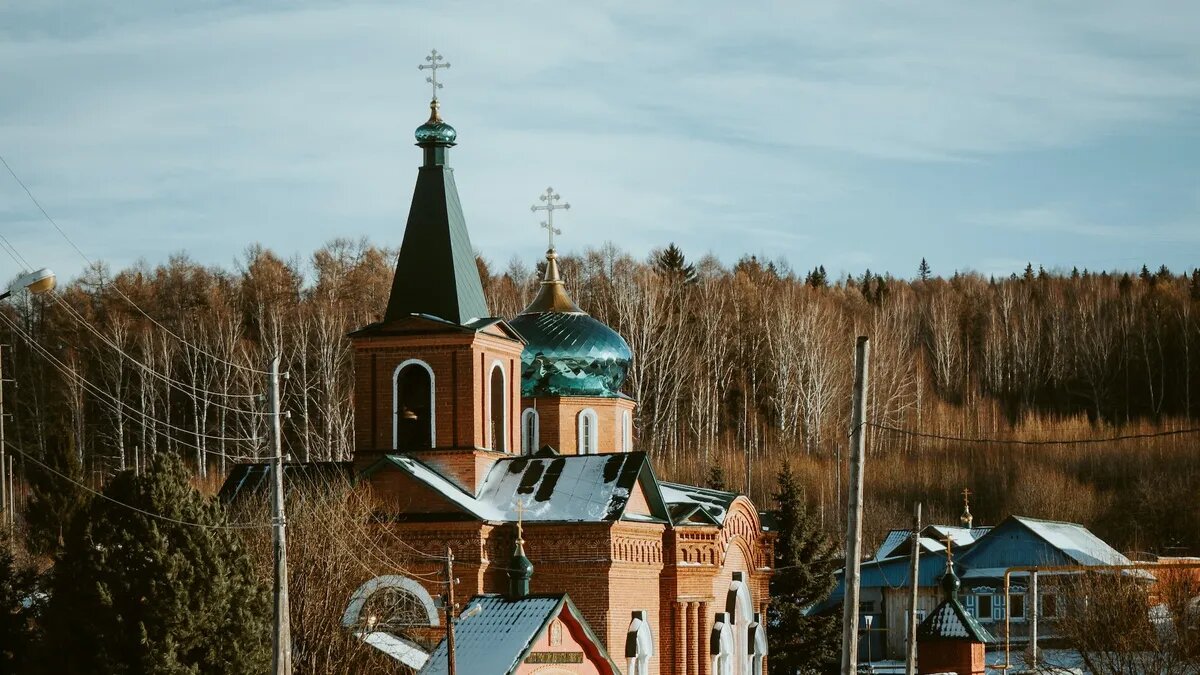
point(53, 502)
point(805, 561)
point(923, 271)
point(1195, 291)
point(176, 593)
point(671, 263)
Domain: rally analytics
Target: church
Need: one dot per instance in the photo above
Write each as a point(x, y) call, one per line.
point(496, 440)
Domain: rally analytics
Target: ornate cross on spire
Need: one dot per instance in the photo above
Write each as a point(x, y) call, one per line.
point(949, 545)
point(550, 207)
point(434, 62)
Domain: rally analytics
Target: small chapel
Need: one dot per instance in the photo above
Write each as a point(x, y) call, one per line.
point(509, 444)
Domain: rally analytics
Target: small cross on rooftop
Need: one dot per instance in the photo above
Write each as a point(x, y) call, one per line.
point(551, 197)
point(434, 63)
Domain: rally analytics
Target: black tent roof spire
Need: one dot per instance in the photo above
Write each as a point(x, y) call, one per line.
point(436, 272)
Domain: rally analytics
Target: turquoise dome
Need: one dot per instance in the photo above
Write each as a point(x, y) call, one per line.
point(570, 354)
point(567, 352)
point(436, 132)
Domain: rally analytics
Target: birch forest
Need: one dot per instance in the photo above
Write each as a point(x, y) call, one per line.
point(998, 385)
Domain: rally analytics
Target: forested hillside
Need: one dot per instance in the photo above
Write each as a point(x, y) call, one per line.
point(738, 367)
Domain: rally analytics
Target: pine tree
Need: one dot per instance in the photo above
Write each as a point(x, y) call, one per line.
point(923, 271)
point(1195, 292)
point(133, 593)
point(805, 560)
point(716, 477)
point(671, 263)
point(18, 611)
point(53, 504)
point(817, 278)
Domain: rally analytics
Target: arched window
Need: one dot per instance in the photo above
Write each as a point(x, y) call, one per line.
point(626, 431)
point(529, 431)
point(498, 409)
point(412, 406)
point(587, 432)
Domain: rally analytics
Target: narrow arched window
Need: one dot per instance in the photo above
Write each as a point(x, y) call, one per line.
point(498, 407)
point(412, 406)
point(587, 432)
point(529, 431)
point(626, 431)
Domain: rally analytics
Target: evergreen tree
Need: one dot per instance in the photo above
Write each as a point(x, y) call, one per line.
point(805, 560)
point(1196, 284)
point(1028, 272)
point(817, 278)
point(671, 263)
point(716, 477)
point(19, 602)
point(923, 271)
point(1145, 274)
point(171, 594)
point(53, 502)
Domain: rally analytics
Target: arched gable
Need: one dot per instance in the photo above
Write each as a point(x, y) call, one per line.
point(351, 617)
point(742, 522)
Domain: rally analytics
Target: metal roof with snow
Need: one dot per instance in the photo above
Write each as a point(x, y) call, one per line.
point(497, 639)
point(951, 621)
point(715, 503)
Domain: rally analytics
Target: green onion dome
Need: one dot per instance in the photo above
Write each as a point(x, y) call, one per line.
point(435, 131)
point(567, 352)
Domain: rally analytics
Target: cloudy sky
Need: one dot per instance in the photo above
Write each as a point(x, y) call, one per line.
point(854, 135)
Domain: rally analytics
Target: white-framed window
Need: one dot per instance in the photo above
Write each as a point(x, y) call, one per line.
point(413, 411)
point(498, 408)
point(529, 431)
point(626, 431)
point(587, 433)
point(984, 606)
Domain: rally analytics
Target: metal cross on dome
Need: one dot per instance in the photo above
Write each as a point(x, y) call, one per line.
point(434, 62)
point(550, 207)
point(520, 519)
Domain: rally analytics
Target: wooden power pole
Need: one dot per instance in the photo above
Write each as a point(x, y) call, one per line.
point(450, 665)
point(910, 663)
point(5, 507)
point(854, 510)
point(281, 660)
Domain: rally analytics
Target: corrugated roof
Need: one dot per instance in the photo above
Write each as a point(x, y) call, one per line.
point(495, 640)
point(891, 542)
point(1075, 541)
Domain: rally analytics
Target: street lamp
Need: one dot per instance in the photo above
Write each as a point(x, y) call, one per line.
point(36, 282)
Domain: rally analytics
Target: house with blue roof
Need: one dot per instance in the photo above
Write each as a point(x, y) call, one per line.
point(982, 556)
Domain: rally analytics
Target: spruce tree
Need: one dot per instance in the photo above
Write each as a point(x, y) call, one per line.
point(132, 593)
point(670, 262)
point(53, 501)
point(805, 561)
point(1195, 292)
point(923, 271)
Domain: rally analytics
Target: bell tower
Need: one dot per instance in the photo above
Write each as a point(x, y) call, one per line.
point(437, 377)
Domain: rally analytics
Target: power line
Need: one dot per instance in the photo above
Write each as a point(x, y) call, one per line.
point(113, 286)
point(176, 384)
point(1008, 441)
point(151, 514)
point(137, 416)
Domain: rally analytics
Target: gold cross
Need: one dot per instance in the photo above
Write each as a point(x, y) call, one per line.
point(435, 61)
point(966, 493)
point(949, 545)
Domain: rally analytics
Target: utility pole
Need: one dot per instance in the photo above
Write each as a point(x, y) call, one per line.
point(281, 662)
point(910, 663)
point(854, 510)
point(1031, 610)
point(5, 507)
point(450, 665)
